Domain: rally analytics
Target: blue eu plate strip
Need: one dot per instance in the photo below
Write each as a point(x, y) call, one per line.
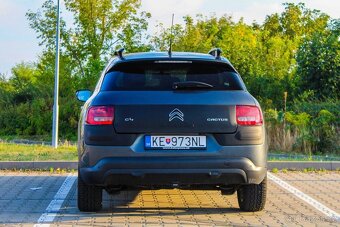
point(147, 141)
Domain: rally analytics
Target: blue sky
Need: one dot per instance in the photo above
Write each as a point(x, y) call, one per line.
point(19, 43)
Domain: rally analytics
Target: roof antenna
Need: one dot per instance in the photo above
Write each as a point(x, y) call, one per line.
point(119, 53)
point(170, 46)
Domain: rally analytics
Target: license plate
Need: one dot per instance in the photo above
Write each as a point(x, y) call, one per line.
point(175, 142)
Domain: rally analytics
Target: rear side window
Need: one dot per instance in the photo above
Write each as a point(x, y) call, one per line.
point(151, 76)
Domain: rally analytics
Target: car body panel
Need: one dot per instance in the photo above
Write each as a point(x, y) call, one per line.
point(114, 155)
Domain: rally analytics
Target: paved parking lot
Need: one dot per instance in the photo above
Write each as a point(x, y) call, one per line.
point(30, 198)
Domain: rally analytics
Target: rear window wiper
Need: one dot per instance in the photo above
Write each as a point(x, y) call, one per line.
point(191, 85)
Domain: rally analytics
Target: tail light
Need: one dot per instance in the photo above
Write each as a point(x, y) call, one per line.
point(100, 115)
point(248, 115)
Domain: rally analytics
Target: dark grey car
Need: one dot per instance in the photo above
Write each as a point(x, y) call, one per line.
point(183, 120)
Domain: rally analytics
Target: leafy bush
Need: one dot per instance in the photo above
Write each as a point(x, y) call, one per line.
point(303, 132)
point(325, 133)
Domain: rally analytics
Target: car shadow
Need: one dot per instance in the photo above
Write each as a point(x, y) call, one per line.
point(129, 205)
point(23, 199)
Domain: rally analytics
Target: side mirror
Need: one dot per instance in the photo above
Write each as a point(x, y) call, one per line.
point(83, 95)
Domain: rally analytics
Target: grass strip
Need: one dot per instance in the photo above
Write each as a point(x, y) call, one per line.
point(23, 152)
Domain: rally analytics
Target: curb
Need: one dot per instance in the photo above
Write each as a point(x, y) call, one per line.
point(39, 165)
point(300, 165)
point(296, 165)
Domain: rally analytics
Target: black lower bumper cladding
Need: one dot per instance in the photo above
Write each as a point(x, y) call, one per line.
point(169, 171)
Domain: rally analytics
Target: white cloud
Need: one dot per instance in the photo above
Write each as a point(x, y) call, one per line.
point(250, 10)
point(255, 11)
point(17, 41)
point(10, 14)
point(330, 7)
point(162, 10)
point(5, 7)
point(258, 10)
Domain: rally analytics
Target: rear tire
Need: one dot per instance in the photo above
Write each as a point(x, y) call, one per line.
point(252, 197)
point(89, 196)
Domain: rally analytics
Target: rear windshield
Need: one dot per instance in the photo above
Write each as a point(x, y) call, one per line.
point(152, 76)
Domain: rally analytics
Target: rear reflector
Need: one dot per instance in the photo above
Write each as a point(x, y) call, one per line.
point(100, 115)
point(248, 115)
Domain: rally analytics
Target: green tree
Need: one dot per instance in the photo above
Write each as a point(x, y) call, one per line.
point(318, 61)
point(98, 25)
point(6, 91)
point(297, 21)
point(264, 55)
point(24, 78)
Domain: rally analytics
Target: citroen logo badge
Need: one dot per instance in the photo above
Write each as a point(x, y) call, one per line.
point(176, 114)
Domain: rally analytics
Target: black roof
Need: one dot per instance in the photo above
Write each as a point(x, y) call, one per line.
point(174, 55)
point(165, 56)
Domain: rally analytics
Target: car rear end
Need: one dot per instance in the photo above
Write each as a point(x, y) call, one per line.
point(172, 123)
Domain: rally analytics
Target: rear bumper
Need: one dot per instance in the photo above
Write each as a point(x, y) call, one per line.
point(135, 166)
point(157, 171)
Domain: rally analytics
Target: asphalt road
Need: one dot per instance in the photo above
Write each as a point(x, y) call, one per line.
point(294, 199)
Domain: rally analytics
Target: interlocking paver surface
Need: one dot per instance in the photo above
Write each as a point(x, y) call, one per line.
point(25, 196)
point(310, 184)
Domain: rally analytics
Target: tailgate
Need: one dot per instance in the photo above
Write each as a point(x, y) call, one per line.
point(175, 119)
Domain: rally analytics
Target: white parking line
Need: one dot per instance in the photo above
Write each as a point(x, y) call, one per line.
point(54, 206)
point(314, 203)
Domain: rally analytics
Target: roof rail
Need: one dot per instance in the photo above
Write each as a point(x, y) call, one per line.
point(216, 52)
point(119, 53)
